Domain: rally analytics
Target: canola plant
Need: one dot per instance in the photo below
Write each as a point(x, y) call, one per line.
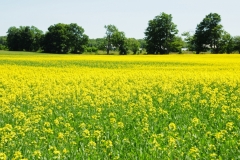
point(119, 107)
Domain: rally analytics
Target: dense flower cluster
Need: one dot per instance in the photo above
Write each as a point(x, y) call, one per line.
point(133, 107)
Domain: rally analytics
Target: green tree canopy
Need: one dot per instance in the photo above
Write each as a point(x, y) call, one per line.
point(76, 37)
point(64, 38)
point(101, 43)
point(110, 30)
point(24, 38)
point(143, 43)
point(236, 43)
point(189, 41)
point(14, 39)
point(177, 44)
point(115, 38)
point(120, 41)
point(3, 42)
point(208, 34)
point(226, 44)
point(98, 43)
point(160, 33)
point(133, 44)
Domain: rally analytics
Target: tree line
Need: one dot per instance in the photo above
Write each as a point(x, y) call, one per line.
point(160, 38)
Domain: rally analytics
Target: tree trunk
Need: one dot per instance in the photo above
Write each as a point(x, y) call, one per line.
point(108, 45)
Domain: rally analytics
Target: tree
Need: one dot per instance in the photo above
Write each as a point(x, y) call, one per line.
point(56, 39)
point(77, 39)
point(98, 43)
point(208, 33)
point(160, 33)
point(3, 42)
point(101, 43)
point(13, 39)
point(226, 44)
point(24, 38)
point(188, 40)
point(143, 43)
point(110, 30)
point(37, 38)
point(177, 44)
point(27, 38)
point(236, 43)
point(120, 41)
point(64, 38)
point(133, 45)
point(115, 38)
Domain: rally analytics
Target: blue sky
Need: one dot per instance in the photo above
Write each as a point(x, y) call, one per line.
point(129, 16)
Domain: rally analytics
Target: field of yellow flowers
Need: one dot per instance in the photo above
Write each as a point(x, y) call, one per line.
point(119, 107)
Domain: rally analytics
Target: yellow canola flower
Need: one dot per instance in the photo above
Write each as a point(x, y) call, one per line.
point(108, 144)
point(37, 154)
point(86, 133)
point(56, 121)
point(120, 125)
point(172, 126)
point(92, 144)
point(111, 114)
point(47, 124)
point(65, 151)
point(60, 135)
point(112, 120)
point(82, 125)
point(56, 152)
point(131, 99)
point(172, 142)
point(8, 127)
point(212, 147)
point(3, 156)
point(213, 155)
point(194, 152)
point(229, 126)
point(97, 134)
point(220, 135)
point(17, 155)
point(195, 121)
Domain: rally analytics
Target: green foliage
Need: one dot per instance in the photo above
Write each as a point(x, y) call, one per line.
point(37, 38)
point(226, 44)
point(3, 42)
point(110, 30)
point(56, 40)
point(236, 43)
point(177, 44)
point(91, 49)
point(120, 41)
point(13, 39)
point(211, 36)
point(188, 40)
point(77, 40)
point(116, 39)
point(64, 38)
point(160, 37)
point(24, 38)
point(208, 34)
point(99, 43)
point(143, 43)
point(160, 34)
point(133, 44)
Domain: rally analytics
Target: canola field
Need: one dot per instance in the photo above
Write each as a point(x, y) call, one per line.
point(119, 107)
